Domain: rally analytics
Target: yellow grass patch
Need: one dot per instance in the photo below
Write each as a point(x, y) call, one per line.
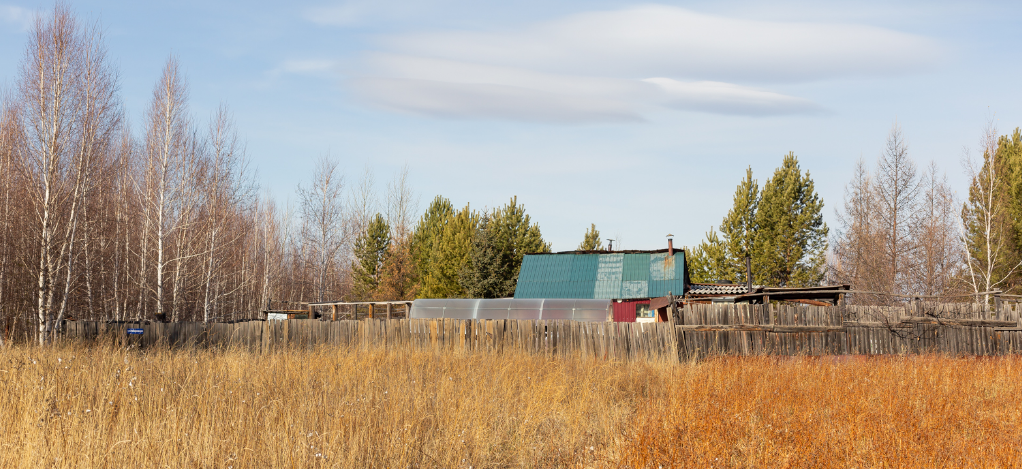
point(105, 407)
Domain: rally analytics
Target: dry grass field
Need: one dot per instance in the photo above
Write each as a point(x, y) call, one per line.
point(105, 407)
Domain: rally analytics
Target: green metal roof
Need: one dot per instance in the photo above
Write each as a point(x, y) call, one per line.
point(601, 276)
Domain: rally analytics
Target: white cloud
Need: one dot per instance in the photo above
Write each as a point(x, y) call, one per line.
point(618, 65)
point(458, 89)
point(656, 40)
point(726, 98)
point(345, 14)
point(18, 16)
point(307, 66)
point(487, 100)
point(354, 13)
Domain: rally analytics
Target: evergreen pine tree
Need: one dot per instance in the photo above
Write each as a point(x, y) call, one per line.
point(791, 241)
point(708, 263)
point(738, 230)
point(371, 249)
point(592, 241)
point(990, 216)
point(503, 240)
point(1009, 153)
point(485, 276)
point(426, 238)
point(449, 254)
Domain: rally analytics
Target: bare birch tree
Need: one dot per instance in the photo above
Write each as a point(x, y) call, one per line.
point(70, 110)
point(362, 202)
point(324, 233)
point(166, 155)
point(402, 205)
point(226, 189)
point(986, 222)
point(98, 120)
point(9, 140)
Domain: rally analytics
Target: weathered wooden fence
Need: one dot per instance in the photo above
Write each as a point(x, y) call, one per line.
point(702, 330)
point(742, 329)
point(605, 340)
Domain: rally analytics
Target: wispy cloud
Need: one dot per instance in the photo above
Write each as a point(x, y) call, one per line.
point(17, 16)
point(727, 98)
point(617, 65)
point(307, 66)
point(487, 100)
point(356, 13)
point(459, 89)
point(656, 40)
point(344, 14)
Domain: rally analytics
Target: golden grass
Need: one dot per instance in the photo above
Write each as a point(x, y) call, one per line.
point(105, 407)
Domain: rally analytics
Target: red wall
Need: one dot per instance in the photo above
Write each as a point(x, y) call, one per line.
point(625, 310)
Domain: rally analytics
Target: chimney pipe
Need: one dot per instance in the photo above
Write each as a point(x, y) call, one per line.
point(748, 274)
point(670, 245)
point(610, 244)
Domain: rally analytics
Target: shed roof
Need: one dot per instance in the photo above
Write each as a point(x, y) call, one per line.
point(615, 275)
point(697, 289)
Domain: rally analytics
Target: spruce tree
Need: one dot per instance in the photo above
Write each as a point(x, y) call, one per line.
point(486, 274)
point(371, 249)
point(791, 241)
point(504, 237)
point(592, 241)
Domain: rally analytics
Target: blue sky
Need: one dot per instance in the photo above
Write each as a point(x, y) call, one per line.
point(639, 117)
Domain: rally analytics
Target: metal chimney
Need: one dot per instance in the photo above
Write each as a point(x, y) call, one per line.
point(670, 245)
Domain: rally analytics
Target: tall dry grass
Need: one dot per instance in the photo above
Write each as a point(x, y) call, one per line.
point(107, 407)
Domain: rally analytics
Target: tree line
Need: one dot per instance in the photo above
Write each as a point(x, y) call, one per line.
point(98, 221)
point(779, 227)
point(906, 233)
point(902, 232)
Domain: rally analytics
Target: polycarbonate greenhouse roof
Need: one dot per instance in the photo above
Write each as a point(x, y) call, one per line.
point(609, 276)
point(506, 308)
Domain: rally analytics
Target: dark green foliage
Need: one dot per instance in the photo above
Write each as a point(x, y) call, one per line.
point(791, 239)
point(502, 240)
point(739, 230)
point(992, 217)
point(371, 249)
point(781, 228)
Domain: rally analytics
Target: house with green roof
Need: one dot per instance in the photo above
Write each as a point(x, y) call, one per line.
point(629, 278)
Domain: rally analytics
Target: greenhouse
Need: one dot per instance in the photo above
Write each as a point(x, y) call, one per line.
point(507, 308)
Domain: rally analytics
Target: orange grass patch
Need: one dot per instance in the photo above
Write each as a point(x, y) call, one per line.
point(920, 411)
point(106, 407)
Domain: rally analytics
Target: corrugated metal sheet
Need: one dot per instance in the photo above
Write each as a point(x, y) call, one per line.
point(718, 289)
point(601, 276)
point(666, 274)
point(624, 312)
point(608, 276)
